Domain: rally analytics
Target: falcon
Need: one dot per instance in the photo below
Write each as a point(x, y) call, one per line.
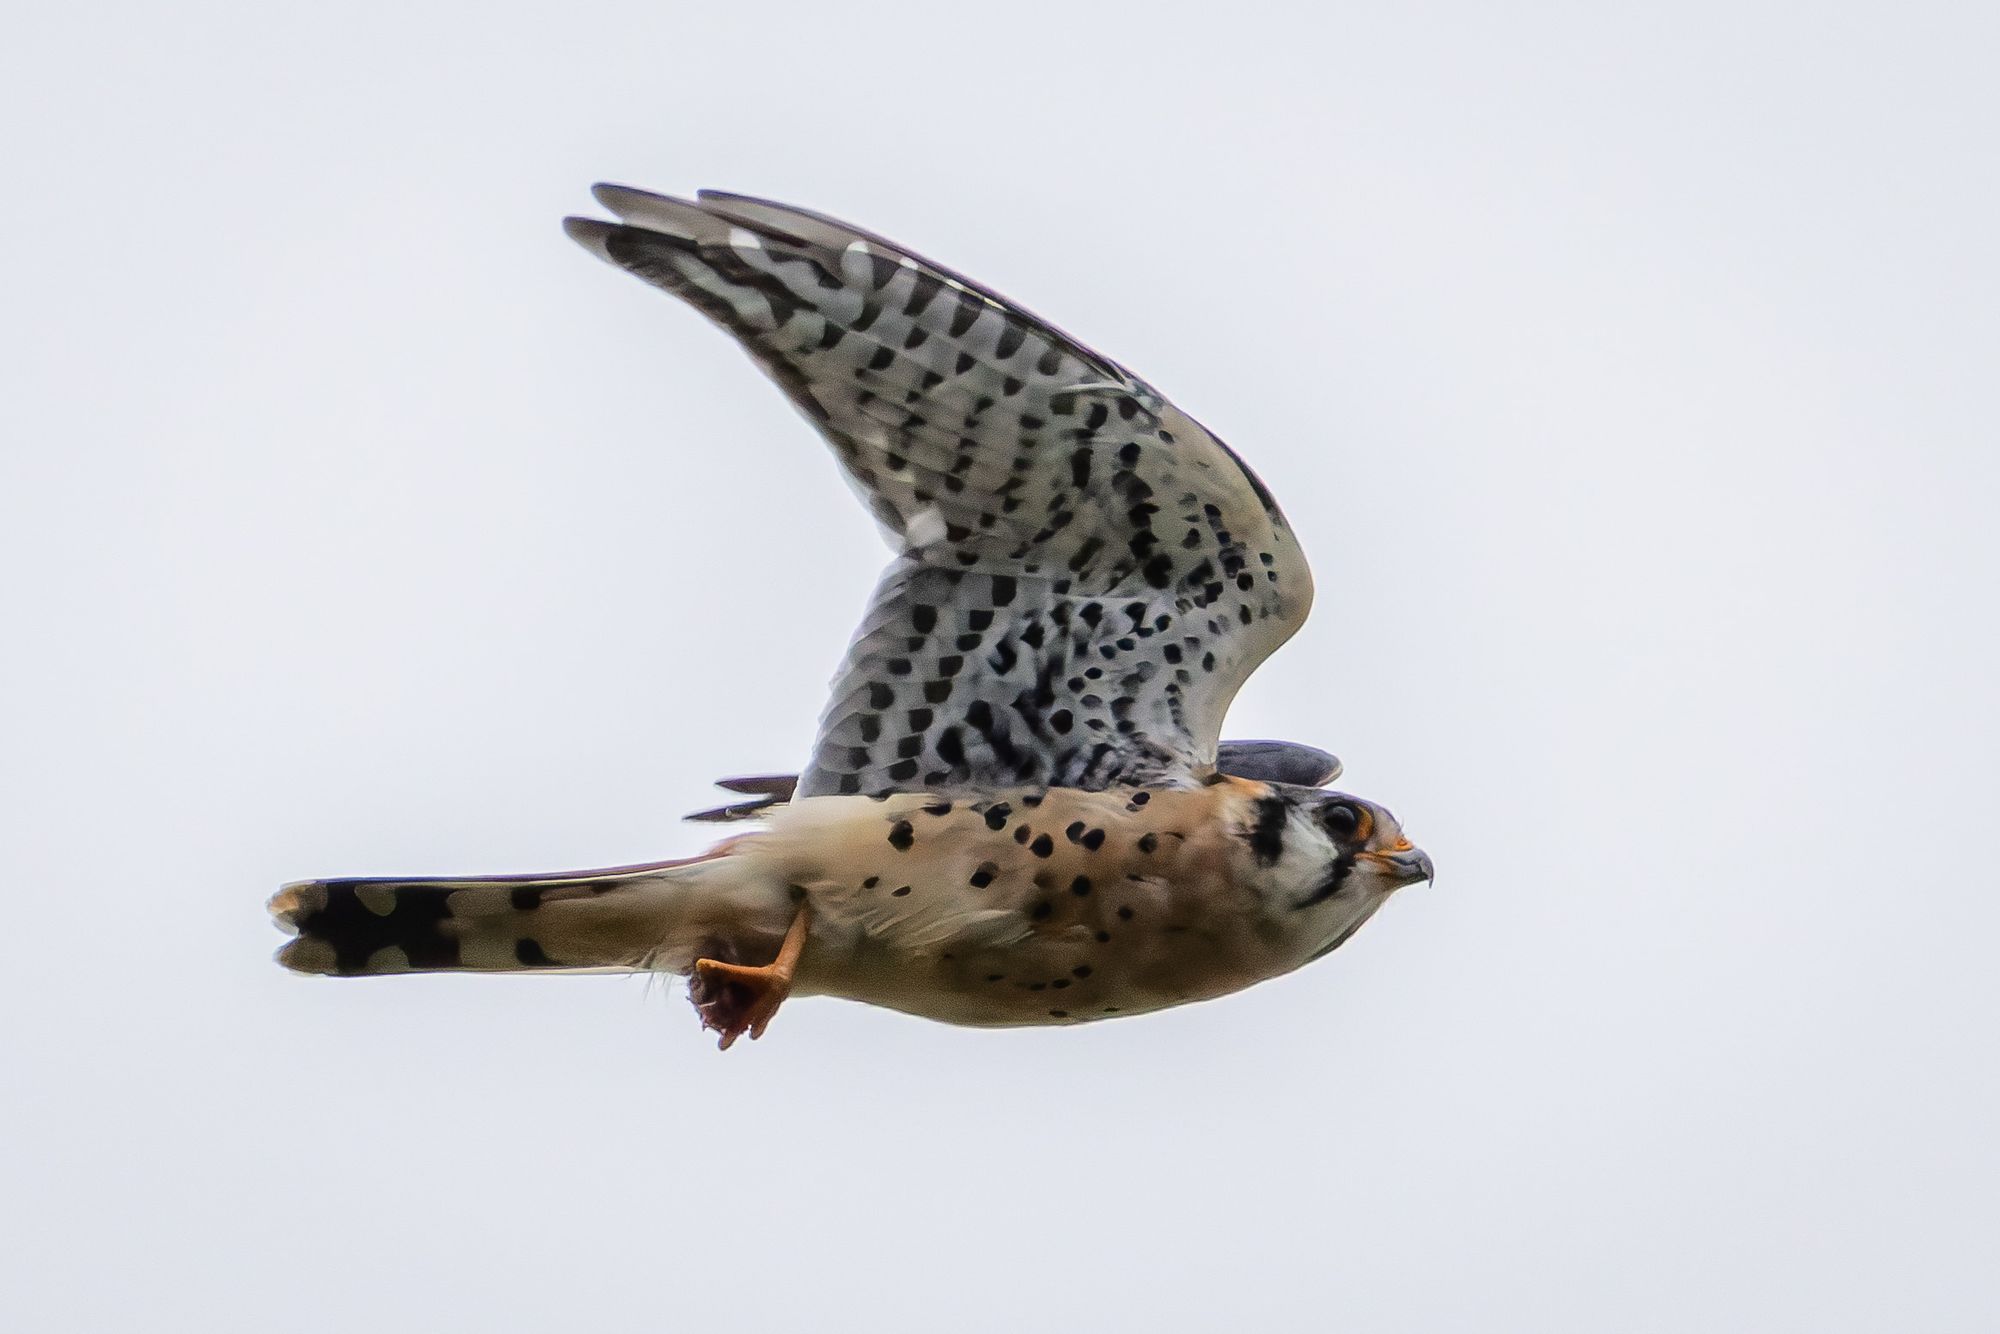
point(1017, 810)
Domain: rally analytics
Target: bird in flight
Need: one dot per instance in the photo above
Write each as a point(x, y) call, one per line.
point(1018, 809)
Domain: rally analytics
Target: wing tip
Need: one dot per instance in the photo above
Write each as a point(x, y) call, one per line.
point(593, 234)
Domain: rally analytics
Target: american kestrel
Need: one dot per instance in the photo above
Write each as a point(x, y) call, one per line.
point(1017, 810)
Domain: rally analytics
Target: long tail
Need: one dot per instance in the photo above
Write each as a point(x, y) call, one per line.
point(625, 918)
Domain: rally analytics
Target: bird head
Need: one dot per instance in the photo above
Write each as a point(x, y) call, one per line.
point(1370, 856)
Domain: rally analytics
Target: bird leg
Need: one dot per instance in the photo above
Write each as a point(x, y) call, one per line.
point(734, 998)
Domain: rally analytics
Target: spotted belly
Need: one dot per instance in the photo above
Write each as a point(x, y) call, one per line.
point(1029, 907)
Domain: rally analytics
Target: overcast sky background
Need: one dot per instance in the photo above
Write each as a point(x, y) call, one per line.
point(1628, 372)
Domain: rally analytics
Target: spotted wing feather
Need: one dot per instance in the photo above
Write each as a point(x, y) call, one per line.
point(1085, 575)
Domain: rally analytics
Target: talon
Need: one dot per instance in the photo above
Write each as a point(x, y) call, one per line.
point(734, 999)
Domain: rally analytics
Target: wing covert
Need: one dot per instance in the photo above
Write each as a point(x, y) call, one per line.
point(1085, 575)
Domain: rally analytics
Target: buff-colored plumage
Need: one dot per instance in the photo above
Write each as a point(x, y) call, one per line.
point(1013, 812)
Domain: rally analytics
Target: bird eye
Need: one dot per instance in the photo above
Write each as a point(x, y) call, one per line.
point(1340, 819)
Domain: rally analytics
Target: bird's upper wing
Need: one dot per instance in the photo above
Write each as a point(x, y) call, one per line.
point(1085, 575)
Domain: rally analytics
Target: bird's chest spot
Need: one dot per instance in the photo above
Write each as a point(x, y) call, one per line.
point(1050, 907)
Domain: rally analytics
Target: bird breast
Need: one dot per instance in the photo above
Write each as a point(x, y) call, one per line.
point(1029, 907)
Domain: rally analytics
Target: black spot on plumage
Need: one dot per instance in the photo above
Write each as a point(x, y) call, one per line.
point(901, 835)
point(923, 619)
point(1004, 589)
point(937, 692)
point(1041, 911)
point(1049, 362)
point(966, 314)
point(1149, 843)
point(529, 953)
point(1093, 840)
point(922, 291)
point(1022, 833)
point(1079, 468)
point(525, 898)
point(413, 925)
point(1012, 334)
point(950, 748)
point(996, 815)
point(871, 882)
point(1267, 831)
point(1075, 830)
point(938, 808)
point(880, 696)
point(884, 357)
point(1080, 886)
point(985, 875)
point(900, 891)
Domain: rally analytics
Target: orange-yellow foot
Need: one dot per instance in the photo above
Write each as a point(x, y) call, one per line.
point(734, 999)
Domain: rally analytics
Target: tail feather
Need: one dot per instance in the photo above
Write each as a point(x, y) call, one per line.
point(617, 919)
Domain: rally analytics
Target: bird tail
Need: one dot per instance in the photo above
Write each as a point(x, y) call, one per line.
point(623, 919)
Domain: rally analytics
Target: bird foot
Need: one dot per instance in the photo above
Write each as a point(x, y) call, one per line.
point(734, 998)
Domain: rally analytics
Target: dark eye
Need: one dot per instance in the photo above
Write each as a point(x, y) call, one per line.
point(1340, 819)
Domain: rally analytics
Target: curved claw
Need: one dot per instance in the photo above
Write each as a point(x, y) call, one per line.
point(734, 998)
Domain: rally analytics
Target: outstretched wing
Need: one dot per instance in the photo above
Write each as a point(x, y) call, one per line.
point(1085, 575)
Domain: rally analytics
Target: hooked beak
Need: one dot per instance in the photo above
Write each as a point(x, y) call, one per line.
point(1405, 867)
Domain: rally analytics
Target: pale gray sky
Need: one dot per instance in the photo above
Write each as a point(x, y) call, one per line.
point(1628, 372)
